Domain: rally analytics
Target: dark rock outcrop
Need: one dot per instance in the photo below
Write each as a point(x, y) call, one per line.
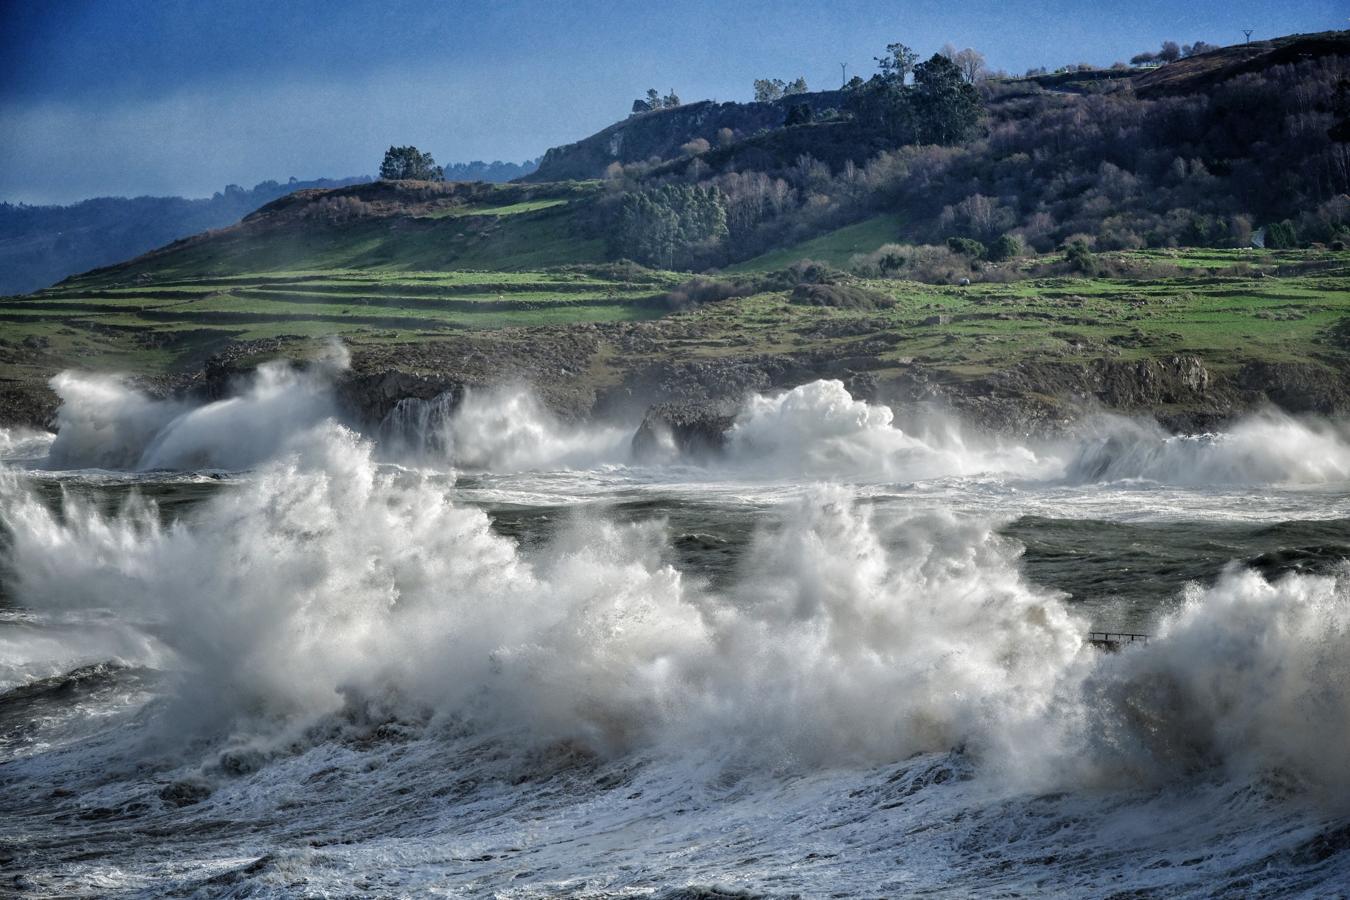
point(1297, 387)
point(367, 397)
point(694, 430)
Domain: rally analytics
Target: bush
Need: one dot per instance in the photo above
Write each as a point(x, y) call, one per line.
point(698, 291)
point(931, 265)
point(966, 247)
point(841, 296)
point(1281, 235)
point(1008, 246)
point(1080, 257)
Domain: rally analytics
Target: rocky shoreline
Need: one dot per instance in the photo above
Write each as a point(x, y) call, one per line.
point(631, 371)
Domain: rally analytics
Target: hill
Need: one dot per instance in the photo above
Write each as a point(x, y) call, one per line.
point(1087, 240)
point(40, 245)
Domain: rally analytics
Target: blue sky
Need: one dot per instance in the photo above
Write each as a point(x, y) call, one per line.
point(126, 97)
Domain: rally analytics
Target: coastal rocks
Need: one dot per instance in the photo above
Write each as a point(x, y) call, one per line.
point(368, 397)
point(1297, 387)
point(1149, 382)
point(693, 430)
point(186, 792)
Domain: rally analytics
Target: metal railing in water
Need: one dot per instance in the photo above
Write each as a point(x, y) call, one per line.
point(1112, 640)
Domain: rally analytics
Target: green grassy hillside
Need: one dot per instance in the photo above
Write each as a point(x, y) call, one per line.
point(835, 248)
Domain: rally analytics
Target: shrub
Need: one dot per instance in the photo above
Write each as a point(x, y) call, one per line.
point(1281, 235)
point(1008, 246)
point(698, 291)
point(966, 247)
point(842, 296)
point(696, 147)
point(1078, 254)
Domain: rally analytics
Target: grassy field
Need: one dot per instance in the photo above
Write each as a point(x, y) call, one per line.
point(974, 330)
point(474, 268)
point(835, 248)
point(163, 325)
point(1223, 317)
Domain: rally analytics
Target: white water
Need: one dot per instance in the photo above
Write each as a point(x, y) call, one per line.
point(502, 430)
point(350, 651)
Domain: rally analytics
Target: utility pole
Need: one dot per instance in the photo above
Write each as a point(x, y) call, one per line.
point(843, 75)
point(1248, 33)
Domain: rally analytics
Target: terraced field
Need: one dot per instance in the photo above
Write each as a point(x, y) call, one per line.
point(1226, 318)
point(262, 305)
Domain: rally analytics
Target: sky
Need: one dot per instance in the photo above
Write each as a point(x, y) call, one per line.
point(163, 97)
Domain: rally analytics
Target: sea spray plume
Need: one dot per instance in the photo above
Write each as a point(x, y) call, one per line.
point(324, 580)
point(502, 429)
point(859, 640)
point(1249, 675)
point(24, 444)
point(1270, 447)
point(105, 423)
point(820, 430)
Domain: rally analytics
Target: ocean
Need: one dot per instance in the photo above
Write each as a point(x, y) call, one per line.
point(249, 651)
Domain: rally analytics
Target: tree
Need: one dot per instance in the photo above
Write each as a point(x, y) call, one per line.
point(883, 104)
point(1080, 257)
point(1007, 246)
point(964, 246)
point(671, 100)
point(409, 164)
point(656, 225)
point(946, 106)
point(1281, 235)
point(1170, 52)
point(971, 64)
point(1140, 59)
point(796, 87)
point(799, 114)
point(897, 63)
point(768, 90)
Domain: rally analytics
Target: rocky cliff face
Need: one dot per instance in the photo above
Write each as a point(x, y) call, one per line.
point(626, 371)
point(661, 133)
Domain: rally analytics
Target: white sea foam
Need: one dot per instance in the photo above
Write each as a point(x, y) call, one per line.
point(357, 657)
point(1267, 448)
point(324, 576)
point(104, 423)
point(503, 429)
point(818, 430)
point(324, 579)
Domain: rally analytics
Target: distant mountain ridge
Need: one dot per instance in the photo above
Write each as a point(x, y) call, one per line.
point(40, 245)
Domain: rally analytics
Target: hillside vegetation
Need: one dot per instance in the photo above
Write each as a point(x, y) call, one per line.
point(1080, 224)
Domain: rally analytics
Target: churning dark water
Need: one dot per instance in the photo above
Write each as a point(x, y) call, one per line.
point(247, 652)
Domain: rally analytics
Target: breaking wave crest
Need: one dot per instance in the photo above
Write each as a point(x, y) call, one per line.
point(498, 430)
point(325, 578)
point(1268, 448)
point(814, 431)
point(325, 583)
point(818, 430)
point(104, 423)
